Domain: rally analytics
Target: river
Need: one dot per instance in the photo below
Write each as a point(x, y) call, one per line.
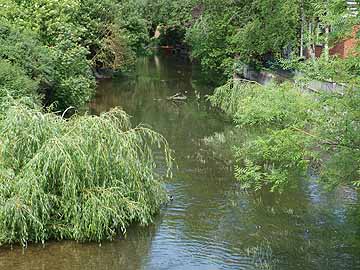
point(211, 223)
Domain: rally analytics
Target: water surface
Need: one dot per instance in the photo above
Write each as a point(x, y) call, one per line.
point(211, 224)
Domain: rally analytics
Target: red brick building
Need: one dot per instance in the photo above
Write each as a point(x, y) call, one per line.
point(346, 47)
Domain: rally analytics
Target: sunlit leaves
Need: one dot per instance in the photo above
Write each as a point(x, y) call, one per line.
point(86, 178)
point(297, 130)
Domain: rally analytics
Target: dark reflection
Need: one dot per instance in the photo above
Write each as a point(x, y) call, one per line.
point(119, 254)
point(211, 224)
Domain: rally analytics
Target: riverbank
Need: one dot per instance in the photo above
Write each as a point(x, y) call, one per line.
point(211, 223)
point(267, 76)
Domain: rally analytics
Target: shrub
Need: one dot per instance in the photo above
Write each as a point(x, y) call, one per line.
point(15, 85)
point(86, 178)
point(15, 81)
point(272, 160)
point(72, 81)
point(59, 42)
point(296, 129)
point(251, 104)
point(339, 130)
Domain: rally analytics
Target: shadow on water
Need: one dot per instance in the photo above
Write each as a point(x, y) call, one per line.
point(211, 224)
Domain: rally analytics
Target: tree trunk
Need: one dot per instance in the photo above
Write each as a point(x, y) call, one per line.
point(302, 30)
point(311, 42)
point(326, 45)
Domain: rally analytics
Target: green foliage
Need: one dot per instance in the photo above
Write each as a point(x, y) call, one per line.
point(260, 31)
point(332, 69)
point(249, 31)
point(58, 42)
point(171, 13)
point(72, 81)
point(209, 42)
point(15, 85)
point(23, 48)
point(279, 153)
point(340, 129)
point(272, 160)
point(297, 130)
point(322, 14)
point(270, 27)
point(337, 125)
point(134, 26)
point(42, 41)
point(14, 80)
point(86, 178)
point(251, 104)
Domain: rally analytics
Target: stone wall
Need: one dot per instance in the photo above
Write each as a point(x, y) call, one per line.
point(266, 77)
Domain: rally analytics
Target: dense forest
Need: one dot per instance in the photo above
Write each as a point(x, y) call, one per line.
point(59, 165)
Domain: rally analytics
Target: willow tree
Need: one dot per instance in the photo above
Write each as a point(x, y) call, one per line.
point(85, 177)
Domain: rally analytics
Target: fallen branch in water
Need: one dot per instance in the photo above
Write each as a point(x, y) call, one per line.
point(242, 80)
point(177, 96)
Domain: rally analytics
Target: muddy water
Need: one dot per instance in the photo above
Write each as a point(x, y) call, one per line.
point(211, 224)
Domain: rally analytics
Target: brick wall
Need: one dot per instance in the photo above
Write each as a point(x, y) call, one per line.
point(318, 51)
point(345, 48)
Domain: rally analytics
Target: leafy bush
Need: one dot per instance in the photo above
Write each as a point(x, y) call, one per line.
point(272, 160)
point(48, 52)
point(133, 24)
point(250, 31)
point(86, 178)
point(251, 104)
point(15, 81)
point(208, 38)
point(15, 85)
point(334, 69)
point(58, 43)
point(297, 129)
point(339, 130)
point(72, 81)
point(22, 47)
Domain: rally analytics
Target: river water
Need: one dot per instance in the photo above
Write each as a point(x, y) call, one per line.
point(211, 223)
